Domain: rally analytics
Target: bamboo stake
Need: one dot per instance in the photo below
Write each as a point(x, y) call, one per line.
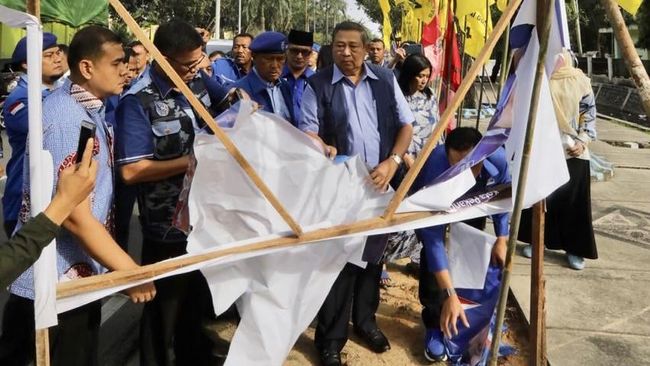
point(464, 87)
point(505, 59)
point(117, 278)
point(545, 10)
point(205, 115)
point(537, 293)
point(482, 82)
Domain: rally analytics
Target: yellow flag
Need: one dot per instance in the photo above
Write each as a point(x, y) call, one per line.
point(473, 15)
point(502, 4)
point(631, 6)
point(386, 28)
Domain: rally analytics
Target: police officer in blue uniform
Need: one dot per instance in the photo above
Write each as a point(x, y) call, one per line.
point(264, 84)
point(155, 134)
point(15, 115)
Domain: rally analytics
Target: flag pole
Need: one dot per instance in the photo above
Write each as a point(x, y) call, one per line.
point(544, 16)
point(42, 336)
point(538, 289)
point(463, 65)
point(505, 60)
point(482, 81)
point(464, 87)
point(205, 115)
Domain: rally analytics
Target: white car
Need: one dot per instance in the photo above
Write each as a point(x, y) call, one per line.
point(223, 45)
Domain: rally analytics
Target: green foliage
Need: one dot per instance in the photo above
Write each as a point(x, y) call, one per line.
point(372, 9)
point(257, 15)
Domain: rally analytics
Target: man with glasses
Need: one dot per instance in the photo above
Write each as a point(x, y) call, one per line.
point(15, 115)
point(355, 108)
point(229, 70)
point(264, 84)
point(155, 131)
point(297, 70)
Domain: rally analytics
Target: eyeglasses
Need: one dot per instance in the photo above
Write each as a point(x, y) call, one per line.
point(302, 51)
point(189, 66)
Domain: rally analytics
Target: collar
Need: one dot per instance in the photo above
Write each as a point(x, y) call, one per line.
point(366, 73)
point(286, 73)
point(23, 81)
point(160, 81)
point(90, 102)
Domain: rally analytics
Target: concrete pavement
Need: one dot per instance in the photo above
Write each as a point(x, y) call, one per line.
point(601, 315)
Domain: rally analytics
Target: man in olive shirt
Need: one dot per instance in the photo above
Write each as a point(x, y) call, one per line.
point(24, 248)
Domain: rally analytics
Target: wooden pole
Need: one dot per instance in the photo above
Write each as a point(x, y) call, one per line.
point(117, 278)
point(42, 335)
point(464, 87)
point(545, 14)
point(537, 290)
point(205, 115)
point(505, 60)
point(482, 81)
point(630, 55)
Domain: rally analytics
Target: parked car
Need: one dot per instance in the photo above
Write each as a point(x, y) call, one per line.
point(223, 45)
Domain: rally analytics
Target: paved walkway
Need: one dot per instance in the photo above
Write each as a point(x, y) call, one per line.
point(601, 315)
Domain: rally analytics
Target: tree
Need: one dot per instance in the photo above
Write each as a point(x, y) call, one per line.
point(371, 7)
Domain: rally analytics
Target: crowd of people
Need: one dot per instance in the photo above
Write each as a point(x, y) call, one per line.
point(348, 96)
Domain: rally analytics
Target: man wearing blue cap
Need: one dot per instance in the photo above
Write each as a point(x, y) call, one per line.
point(297, 71)
point(15, 115)
point(264, 84)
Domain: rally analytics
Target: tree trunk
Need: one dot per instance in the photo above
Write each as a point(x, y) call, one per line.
point(631, 57)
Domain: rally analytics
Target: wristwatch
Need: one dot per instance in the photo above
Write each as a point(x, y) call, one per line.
point(397, 159)
point(447, 293)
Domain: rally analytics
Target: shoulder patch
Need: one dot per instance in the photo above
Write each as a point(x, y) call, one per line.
point(16, 107)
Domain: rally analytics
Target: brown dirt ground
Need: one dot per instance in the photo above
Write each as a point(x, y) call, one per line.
point(399, 317)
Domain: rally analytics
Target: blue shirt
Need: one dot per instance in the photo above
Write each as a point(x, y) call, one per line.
point(16, 122)
point(494, 172)
point(225, 71)
point(272, 97)
point(297, 88)
point(62, 116)
point(363, 132)
point(135, 142)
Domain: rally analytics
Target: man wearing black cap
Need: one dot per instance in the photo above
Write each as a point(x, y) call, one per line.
point(297, 70)
point(264, 84)
point(15, 115)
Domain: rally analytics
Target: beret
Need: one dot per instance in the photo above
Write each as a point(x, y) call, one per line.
point(20, 52)
point(269, 42)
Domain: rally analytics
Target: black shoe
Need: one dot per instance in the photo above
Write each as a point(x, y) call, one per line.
point(374, 338)
point(330, 357)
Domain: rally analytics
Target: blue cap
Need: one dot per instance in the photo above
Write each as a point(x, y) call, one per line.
point(269, 42)
point(20, 52)
point(315, 47)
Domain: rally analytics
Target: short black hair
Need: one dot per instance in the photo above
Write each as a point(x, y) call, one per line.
point(462, 139)
point(325, 57)
point(87, 44)
point(378, 40)
point(64, 48)
point(242, 35)
point(217, 52)
point(348, 25)
point(136, 43)
point(176, 37)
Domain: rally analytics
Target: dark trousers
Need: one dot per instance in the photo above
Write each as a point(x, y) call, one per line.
point(125, 197)
point(431, 296)
point(356, 291)
point(9, 226)
point(73, 341)
point(171, 328)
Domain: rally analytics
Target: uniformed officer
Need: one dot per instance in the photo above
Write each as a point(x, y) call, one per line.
point(264, 84)
point(297, 70)
point(156, 129)
point(15, 115)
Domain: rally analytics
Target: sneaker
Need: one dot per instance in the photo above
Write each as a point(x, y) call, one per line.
point(527, 251)
point(575, 262)
point(434, 347)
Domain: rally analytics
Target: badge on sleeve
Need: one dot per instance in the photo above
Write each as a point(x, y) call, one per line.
point(162, 109)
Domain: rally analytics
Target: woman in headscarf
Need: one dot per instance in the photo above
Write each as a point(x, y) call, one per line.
point(568, 223)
